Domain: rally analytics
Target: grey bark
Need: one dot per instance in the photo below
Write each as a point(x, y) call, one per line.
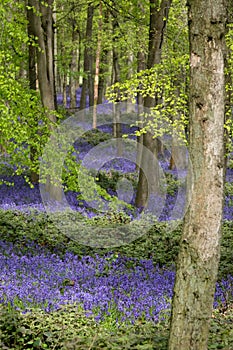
point(198, 258)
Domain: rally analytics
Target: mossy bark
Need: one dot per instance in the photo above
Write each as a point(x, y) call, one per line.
point(198, 258)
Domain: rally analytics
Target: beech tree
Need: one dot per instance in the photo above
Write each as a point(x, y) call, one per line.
point(198, 258)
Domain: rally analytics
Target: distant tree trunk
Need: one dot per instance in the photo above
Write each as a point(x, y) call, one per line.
point(55, 48)
point(97, 66)
point(198, 258)
point(91, 82)
point(64, 90)
point(149, 183)
point(130, 108)
point(102, 79)
point(103, 63)
point(116, 78)
point(141, 61)
point(88, 59)
point(74, 83)
point(141, 66)
point(178, 159)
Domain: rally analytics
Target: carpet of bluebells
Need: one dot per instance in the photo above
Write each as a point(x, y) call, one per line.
point(124, 287)
point(100, 284)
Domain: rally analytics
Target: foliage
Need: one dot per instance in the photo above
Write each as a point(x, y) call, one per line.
point(226, 267)
point(23, 123)
point(229, 80)
point(158, 243)
point(95, 137)
point(58, 330)
point(170, 114)
point(221, 334)
point(109, 179)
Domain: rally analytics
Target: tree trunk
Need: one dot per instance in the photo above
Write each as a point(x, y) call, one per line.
point(87, 58)
point(198, 258)
point(64, 90)
point(42, 29)
point(130, 108)
point(73, 65)
point(117, 132)
point(104, 66)
point(141, 66)
point(179, 159)
point(97, 67)
point(158, 19)
point(102, 79)
point(47, 24)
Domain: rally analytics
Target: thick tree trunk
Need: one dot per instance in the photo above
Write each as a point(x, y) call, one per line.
point(158, 19)
point(197, 264)
point(42, 29)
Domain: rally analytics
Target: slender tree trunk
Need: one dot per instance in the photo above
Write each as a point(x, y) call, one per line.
point(198, 258)
point(55, 48)
point(117, 133)
point(158, 18)
point(102, 79)
point(179, 159)
point(141, 66)
point(97, 66)
point(64, 90)
point(73, 65)
point(104, 62)
point(87, 58)
point(130, 108)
